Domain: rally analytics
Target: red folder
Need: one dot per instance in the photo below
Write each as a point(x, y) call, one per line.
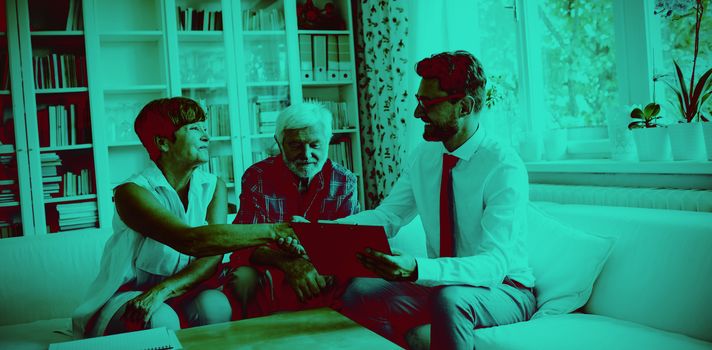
point(332, 248)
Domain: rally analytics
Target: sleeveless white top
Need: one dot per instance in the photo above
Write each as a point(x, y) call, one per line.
point(128, 255)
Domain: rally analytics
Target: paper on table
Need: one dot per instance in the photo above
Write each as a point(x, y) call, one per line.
point(149, 339)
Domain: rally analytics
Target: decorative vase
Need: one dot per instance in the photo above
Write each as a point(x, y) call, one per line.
point(555, 143)
point(653, 144)
point(687, 141)
point(619, 137)
point(707, 135)
point(530, 147)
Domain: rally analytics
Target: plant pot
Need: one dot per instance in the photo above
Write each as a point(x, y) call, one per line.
point(687, 141)
point(707, 135)
point(530, 147)
point(620, 139)
point(555, 143)
point(653, 144)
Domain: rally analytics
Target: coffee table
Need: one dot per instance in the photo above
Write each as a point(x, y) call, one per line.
point(321, 328)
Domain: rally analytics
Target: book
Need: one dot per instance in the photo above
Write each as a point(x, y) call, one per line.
point(149, 339)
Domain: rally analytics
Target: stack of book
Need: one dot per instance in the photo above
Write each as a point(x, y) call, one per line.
point(8, 191)
point(6, 148)
point(51, 179)
point(77, 184)
point(265, 110)
point(192, 19)
point(263, 19)
point(338, 112)
point(218, 120)
point(55, 71)
point(77, 215)
point(340, 152)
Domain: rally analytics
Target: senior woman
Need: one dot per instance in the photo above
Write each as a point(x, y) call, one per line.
point(169, 233)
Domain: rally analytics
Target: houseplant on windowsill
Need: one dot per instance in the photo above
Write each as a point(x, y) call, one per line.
point(688, 142)
point(651, 139)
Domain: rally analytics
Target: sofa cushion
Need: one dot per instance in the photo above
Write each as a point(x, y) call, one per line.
point(35, 335)
point(45, 277)
point(658, 271)
point(582, 332)
point(566, 262)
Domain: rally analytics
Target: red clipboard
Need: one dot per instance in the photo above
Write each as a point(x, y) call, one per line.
point(332, 248)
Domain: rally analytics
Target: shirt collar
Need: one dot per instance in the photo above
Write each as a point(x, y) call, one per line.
point(467, 149)
point(157, 179)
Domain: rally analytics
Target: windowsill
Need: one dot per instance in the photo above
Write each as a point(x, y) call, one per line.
point(626, 167)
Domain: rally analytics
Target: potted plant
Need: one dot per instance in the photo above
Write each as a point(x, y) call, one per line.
point(651, 140)
point(686, 137)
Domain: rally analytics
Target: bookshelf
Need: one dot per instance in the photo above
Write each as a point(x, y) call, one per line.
point(240, 59)
point(47, 184)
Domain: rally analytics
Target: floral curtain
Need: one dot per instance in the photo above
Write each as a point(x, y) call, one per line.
point(381, 29)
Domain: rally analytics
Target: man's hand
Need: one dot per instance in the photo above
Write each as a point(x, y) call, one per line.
point(291, 245)
point(140, 309)
point(390, 267)
point(305, 280)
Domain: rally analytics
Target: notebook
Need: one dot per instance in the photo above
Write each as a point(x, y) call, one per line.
point(149, 339)
point(332, 248)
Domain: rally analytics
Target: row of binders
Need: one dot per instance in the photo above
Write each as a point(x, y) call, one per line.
point(55, 71)
point(200, 20)
point(325, 57)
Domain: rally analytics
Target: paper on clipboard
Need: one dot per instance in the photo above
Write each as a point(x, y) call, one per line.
point(332, 248)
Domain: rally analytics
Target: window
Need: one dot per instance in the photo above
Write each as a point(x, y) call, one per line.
point(578, 61)
point(677, 32)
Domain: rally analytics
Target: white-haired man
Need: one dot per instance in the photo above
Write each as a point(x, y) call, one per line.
point(300, 181)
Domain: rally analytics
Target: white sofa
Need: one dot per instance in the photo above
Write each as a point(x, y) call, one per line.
point(654, 292)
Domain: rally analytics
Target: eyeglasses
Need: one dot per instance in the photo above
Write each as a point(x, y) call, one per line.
point(427, 103)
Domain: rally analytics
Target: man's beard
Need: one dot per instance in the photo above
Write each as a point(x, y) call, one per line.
point(443, 133)
point(304, 172)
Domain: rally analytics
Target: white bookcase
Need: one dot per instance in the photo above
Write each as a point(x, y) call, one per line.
point(242, 72)
point(54, 149)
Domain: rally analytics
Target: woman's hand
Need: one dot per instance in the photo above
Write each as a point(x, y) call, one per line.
point(140, 309)
point(286, 239)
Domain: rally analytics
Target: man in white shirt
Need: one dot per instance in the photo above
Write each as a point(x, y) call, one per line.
point(471, 194)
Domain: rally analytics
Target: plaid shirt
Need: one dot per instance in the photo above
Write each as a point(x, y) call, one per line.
point(270, 194)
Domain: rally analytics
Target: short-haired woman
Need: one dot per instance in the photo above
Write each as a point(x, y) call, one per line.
point(169, 234)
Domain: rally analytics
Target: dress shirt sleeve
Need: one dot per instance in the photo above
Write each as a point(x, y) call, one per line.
point(506, 192)
point(395, 211)
point(251, 209)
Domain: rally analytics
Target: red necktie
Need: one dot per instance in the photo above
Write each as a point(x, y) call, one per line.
point(447, 246)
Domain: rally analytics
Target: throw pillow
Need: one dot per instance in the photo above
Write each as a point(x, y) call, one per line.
point(566, 262)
